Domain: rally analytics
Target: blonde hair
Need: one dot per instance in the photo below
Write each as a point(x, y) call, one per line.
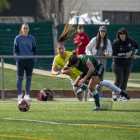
point(20, 32)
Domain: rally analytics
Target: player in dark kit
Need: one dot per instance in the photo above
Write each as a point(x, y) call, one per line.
point(92, 70)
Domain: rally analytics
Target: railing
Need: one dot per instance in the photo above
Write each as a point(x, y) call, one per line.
point(41, 56)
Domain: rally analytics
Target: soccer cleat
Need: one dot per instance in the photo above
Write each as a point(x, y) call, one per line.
point(123, 99)
point(19, 97)
point(126, 95)
point(27, 97)
point(101, 99)
point(96, 108)
point(114, 96)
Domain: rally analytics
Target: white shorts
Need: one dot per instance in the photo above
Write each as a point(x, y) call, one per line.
point(72, 82)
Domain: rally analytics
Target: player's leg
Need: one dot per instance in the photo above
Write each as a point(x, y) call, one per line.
point(115, 88)
point(83, 86)
point(20, 73)
point(119, 74)
point(127, 71)
point(80, 97)
point(28, 70)
point(94, 80)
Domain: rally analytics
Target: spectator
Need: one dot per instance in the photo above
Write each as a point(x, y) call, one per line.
point(24, 44)
point(122, 66)
point(81, 40)
point(100, 46)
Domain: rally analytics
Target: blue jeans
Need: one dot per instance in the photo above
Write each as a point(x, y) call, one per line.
point(27, 66)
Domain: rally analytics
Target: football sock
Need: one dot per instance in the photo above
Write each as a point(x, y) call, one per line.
point(83, 86)
point(96, 97)
point(110, 85)
point(19, 84)
point(28, 84)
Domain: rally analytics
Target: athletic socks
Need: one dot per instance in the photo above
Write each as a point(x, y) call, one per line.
point(83, 86)
point(110, 85)
point(96, 97)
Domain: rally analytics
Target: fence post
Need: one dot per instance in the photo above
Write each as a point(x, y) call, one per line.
point(2, 69)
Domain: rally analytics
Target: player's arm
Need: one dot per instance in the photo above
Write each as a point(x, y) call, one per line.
point(54, 72)
point(66, 71)
point(89, 73)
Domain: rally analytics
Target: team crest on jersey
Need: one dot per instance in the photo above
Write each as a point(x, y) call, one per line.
point(129, 44)
point(80, 56)
point(121, 48)
point(82, 37)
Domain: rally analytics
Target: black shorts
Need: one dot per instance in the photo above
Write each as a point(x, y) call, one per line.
point(98, 72)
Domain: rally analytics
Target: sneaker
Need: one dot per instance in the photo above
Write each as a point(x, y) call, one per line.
point(126, 95)
point(123, 99)
point(19, 97)
point(101, 99)
point(114, 96)
point(96, 108)
point(91, 99)
point(27, 97)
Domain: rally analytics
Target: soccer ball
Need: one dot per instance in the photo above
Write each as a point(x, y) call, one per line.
point(23, 105)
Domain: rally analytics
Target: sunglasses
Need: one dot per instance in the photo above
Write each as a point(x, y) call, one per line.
point(122, 33)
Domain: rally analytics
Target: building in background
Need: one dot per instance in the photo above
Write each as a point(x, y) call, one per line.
point(117, 11)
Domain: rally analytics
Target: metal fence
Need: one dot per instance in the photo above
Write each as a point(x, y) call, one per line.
point(41, 56)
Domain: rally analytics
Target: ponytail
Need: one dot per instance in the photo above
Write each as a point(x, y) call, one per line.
point(67, 33)
point(74, 52)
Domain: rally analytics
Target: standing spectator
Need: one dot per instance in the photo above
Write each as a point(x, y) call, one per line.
point(122, 66)
point(24, 45)
point(100, 46)
point(81, 40)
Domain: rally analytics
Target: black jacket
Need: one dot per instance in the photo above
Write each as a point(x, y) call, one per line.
point(120, 48)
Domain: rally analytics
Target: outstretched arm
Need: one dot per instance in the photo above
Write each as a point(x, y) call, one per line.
point(54, 70)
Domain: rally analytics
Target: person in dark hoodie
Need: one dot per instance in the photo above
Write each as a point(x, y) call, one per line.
point(24, 45)
point(122, 67)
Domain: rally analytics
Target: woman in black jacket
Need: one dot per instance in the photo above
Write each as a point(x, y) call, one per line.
point(122, 66)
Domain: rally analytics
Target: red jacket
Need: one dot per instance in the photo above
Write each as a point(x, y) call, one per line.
point(81, 38)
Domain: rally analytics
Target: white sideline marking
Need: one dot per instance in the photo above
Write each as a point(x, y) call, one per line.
point(33, 121)
point(60, 123)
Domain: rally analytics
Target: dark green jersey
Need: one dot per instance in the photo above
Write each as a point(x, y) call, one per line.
point(83, 63)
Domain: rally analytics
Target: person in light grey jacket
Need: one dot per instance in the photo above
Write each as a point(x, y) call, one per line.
point(100, 46)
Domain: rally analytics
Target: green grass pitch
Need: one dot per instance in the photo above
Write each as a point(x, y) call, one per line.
point(72, 120)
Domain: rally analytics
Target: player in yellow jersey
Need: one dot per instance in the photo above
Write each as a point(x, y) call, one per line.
point(62, 58)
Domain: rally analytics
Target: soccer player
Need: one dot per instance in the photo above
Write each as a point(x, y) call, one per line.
point(62, 58)
point(92, 70)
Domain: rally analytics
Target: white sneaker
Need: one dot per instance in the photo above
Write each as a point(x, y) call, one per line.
point(101, 99)
point(27, 97)
point(96, 108)
point(19, 97)
point(114, 96)
point(123, 99)
point(91, 99)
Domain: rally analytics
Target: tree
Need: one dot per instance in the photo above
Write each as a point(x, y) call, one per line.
point(4, 4)
point(46, 7)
